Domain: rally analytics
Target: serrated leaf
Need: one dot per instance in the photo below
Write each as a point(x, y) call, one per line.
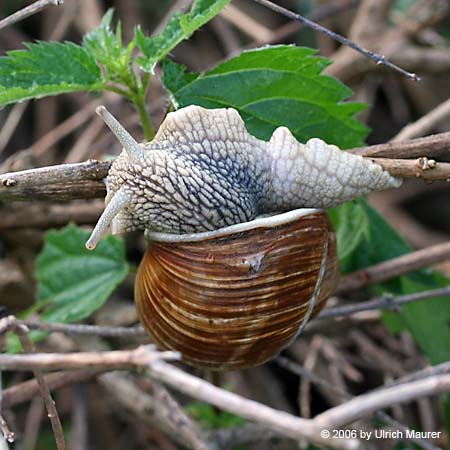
point(351, 225)
point(428, 320)
point(272, 87)
point(384, 243)
point(47, 68)
point(180, 27)
point(106, 46)
point(72, 281)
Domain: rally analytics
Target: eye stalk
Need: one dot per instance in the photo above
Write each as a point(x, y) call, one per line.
point(133, 149)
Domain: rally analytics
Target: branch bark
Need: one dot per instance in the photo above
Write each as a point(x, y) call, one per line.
point(84, 180)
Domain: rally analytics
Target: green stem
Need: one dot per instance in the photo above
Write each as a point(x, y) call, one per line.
point(139, 101)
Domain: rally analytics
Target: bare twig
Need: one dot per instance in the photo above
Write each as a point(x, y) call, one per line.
point(378, 59)
point(425, 124)
point(10, 125)
point(10, 324)
point(28, 11)
point(61, 182)
point(91, 330)
point(305, 373)
point(430, 146)
point(22, 392)
point(159, 409)
point(147, 358)
point(395, 267)
point(365, 404)
point(120, 359)
point(284, 423)
point(83, 180)
point(423, 168)
point(384, 302)
point(64, 128)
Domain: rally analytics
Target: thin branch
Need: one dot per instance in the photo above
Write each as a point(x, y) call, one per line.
point(425, 124)
point(291, 426)
point(11, 123)
point(10, 324)
point(23, 392)
point(395, 267)
point(365, 404)
point(145, 357)
point(385, 302)
point(28, 11)
point(90, 330)
point(159, 409)
point(430, 146)
point(112, 360)
point(319, 381)
point(378, 59)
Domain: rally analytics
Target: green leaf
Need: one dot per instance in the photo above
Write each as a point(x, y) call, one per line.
point(272, 87)
point(420, 318)
point(428, 320)
point(47, 68)
point(210, 418)
point(351, 224)
point(74, 282)
point(180, 27)
point(106, 46)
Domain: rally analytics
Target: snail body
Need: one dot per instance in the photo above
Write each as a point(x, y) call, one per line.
point(219, 284)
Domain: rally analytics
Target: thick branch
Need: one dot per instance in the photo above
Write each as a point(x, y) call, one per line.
point(423, 168)
point(61, 182)
point(84, 180)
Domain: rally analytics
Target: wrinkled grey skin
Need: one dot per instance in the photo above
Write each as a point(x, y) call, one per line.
point(204, 171)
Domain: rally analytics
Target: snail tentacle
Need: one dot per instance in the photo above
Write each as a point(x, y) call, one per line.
point(133, 149)
point(117, 203)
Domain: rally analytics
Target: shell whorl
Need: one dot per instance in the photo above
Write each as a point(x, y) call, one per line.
point(204, 171)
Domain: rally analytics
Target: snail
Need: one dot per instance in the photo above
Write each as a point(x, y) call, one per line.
point(242, 253)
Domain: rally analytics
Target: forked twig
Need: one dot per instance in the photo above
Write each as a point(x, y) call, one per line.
point(11, 324)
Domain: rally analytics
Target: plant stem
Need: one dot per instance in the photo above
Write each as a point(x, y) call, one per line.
point(147, 126)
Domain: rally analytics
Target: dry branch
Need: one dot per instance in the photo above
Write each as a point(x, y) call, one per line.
point(386, 302)
point(430, 146)
point(378, 59)
point(23, 392)
point(28, 11)
point(11, 324)
point(286, 424)
point(425, 124)
point(365, 404)
point(84, 180)
point(395, 267)
point(61, 182)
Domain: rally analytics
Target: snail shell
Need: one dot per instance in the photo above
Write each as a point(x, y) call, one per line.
point(235, 297)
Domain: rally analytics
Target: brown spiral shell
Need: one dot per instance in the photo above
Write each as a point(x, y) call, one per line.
point(236, 299)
